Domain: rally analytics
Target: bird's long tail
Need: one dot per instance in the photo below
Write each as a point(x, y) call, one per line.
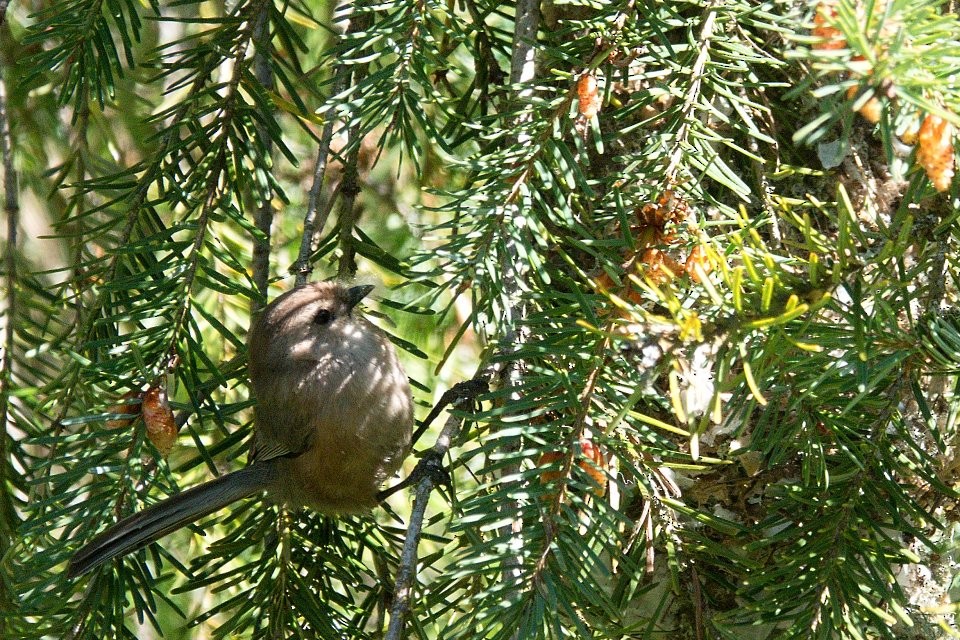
point(153, 523)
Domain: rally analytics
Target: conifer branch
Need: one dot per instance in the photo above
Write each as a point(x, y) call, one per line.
point(263, 215)
point(11, 211)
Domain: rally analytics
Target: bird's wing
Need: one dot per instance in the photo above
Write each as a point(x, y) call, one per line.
point(262, 449)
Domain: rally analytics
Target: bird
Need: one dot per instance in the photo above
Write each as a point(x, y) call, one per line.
point(332, 421)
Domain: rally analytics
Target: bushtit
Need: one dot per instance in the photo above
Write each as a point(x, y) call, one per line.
point(333, 420)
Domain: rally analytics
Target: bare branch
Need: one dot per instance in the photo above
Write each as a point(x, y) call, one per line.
point(315, 219)
point(311, 226)
point(263, 216)
point(693, 93)
point(460, 396)
point(522, 75)
point(11, 208)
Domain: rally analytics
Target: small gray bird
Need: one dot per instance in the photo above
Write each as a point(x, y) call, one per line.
point(333, 421)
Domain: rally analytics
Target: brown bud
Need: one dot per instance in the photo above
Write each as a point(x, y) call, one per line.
point(591, 460)
point(871, 110)
point(669, 207)
point(830, 36)
point(128, 404)
point(698, 256)
point(935, 150)
point(588, 97)
point(159, 420)
point(660, 267)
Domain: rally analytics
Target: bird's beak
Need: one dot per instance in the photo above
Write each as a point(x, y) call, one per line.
point(358, 293)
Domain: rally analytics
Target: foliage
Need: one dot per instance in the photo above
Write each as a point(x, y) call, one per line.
point(677, 240)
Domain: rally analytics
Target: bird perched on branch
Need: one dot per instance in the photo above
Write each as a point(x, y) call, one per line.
point(333, 420)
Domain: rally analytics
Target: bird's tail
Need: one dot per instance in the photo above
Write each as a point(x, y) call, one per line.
point(144, 527)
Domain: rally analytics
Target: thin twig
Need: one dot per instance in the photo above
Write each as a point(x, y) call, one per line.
point(263, 216)
point(139, 194)
point(349, 216)
point(523, 60)
point(406, 571)
point(349, 187)
point(11, 208)
point(693, 93)
point(697, 603)
point(313, 223)
point(763, 181)
point(455, 396)
point(513, 269)
point(204, 391)
point(311, 227)
point(938, 280)
point(584, 401)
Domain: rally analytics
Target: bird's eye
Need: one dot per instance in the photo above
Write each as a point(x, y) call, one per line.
point(324, 316)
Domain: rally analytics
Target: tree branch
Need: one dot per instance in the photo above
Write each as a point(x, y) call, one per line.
point(11, 208)
point(460, 395)
point(312, 223)
point(263, 216)
point(302, 267)
point(693, 93)
point(522, 74)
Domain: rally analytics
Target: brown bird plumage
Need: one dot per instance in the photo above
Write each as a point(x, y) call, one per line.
point(333, 420)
